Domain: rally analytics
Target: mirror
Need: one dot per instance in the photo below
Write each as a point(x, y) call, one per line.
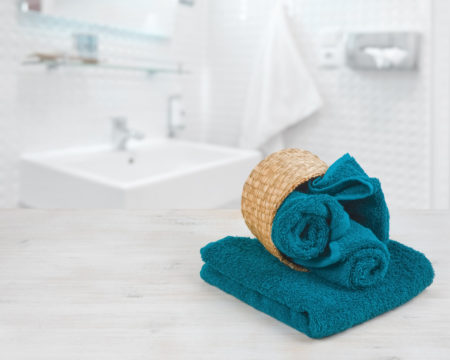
point(150, 17)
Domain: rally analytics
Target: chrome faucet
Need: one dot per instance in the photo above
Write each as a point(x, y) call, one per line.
point(121, 133)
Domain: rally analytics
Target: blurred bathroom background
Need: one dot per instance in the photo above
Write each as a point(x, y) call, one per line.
point(148, 104)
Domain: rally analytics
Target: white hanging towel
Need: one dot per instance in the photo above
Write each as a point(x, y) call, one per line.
point(281, 91)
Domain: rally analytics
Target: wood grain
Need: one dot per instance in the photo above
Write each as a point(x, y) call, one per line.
point(111, 284)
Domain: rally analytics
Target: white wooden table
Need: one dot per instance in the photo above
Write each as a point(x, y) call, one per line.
point(125, 285)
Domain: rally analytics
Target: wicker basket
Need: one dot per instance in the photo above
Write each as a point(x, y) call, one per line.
point(270, 182)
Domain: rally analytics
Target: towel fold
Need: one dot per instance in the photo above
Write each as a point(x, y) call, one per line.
point(360, 195)
point(303, 300)
point(315, 231)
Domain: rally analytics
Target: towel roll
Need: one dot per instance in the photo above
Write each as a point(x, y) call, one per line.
point(305, 224)
point(363, 259)
point(314, 231)
point(361, 195)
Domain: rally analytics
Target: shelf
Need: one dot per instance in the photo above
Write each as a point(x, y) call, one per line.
point(51, 62)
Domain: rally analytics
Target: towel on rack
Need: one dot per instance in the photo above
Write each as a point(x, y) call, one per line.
point(361, 195)
point(281, 91)
point(304, 301)
point(315, 231)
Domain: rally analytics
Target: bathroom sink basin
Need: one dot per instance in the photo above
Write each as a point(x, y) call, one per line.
point(157, 174)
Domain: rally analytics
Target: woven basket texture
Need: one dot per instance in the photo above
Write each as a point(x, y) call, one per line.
point(269, 183)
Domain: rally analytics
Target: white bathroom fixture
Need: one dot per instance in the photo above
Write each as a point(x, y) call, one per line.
point(175, 115)
point(121, 134)
point(383, 50)
point(330, 48)
point(155, 174)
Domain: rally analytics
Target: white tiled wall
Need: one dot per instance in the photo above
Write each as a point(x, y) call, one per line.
point(42, 109)
point(380, 118)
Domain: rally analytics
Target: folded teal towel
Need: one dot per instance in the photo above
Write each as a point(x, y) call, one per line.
point(361, 196)
point(244, 269)
point(315, 231)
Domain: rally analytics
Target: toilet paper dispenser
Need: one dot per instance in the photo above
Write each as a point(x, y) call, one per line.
point(383, 50)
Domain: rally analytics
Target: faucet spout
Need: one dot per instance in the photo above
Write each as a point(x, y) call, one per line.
point(121, 134)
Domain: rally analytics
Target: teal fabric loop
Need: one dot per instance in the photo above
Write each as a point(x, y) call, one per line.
point(360, 195)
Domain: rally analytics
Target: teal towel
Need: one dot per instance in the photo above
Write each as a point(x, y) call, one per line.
point(361, 195)
point(244, 269)
point(315, 231)
point(305, 224)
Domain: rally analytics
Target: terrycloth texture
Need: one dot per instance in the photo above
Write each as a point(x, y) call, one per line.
point(244, 269)
point(314, 231)
point(305, 224)
point(281, 91)
point(361, 196)
point(363, 259)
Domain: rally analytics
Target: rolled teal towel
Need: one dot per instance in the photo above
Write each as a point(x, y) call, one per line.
point(305, 224)
point(315, 231)
point(363, 259)
point(361, 195)
point(304, 301)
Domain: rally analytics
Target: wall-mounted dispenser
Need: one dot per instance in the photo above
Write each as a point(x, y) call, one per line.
point(176, 116)
point(383, 50)
point(330, 50)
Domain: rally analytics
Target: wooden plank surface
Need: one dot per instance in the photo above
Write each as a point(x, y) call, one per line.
point(112, 284)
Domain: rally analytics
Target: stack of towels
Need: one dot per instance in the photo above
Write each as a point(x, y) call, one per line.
point(336, 226)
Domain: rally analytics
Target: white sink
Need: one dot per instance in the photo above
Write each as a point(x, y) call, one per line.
point(157, 174)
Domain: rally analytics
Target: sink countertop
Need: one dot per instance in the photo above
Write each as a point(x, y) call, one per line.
point(113, 284)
